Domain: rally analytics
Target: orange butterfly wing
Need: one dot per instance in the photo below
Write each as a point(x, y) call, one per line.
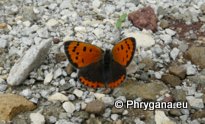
point(82, 54)
point(124, 50)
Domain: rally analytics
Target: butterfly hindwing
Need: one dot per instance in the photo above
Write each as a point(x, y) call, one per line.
point(82, 54)
point(124, 50)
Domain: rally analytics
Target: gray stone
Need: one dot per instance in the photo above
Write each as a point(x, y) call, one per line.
point(179, 71)
point(37, 118)
point(195, 102)
point(32, 59)
point(3, 43)
point(69, 107)
point(174, 53)
point(96, 107)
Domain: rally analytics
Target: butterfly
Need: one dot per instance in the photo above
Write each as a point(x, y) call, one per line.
point(98, 68)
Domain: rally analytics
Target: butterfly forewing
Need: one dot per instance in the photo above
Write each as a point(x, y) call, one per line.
point(124, 50)
point(82, 54)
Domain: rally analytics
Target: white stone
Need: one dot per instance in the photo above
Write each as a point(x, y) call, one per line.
point(196, 103)
point(96, 4)
point(170, 32)
point(3, 87)
point(51, 23)
point(37, 118)
point(27, 23)
point(42, 32)
point(98, 32)
point(74, 75)
point(57, 97)
point(69, 107)
point(114, 117)
point(190, 69)
point(64, 121)
point(83, 105)
point(31, 59)
point(57, 73)
point(66, 4)
point(174, 53)
point(62, 81)
point(26, 93)
point(158, 75)
point(166, 38)
point(108, 100)
point(99, 95)
point(78, 93)
point(161, 118)
point(48, 78)
point(52, 6)
point(3, 43)
point(143, 39)
point(80, 29)
point(27, 41)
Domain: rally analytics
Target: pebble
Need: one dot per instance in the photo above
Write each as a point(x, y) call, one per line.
point(190, 69)
point(37, 118)
point(27, 93)
point(69, 107)
point(32, 59)
point(108, 100)
point(57, 73)
point(195, 102)
point(57, 97)
point(74, 75)
point(99, 95)
point(114, 117)
point(96, 4)
point(143, 39)
point(158, 75)
point(52, 23)
point(66, 4)
point(78, 93)
point(3, 87)
point(3, 43)
point(96, 107)
point(170, 32)
point(43, 32)
point(166, 38)
point(64, 121)
point(48, 78)
point(52, 119)
point(174, 53)
point(161, 118)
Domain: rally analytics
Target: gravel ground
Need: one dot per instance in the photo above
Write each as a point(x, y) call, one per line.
point(38, 85)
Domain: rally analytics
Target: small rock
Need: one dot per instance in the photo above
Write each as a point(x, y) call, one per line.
point(202, 7)
point(96, 4)
point(37, 118)
point(144, 18)
point(48, 78)
point(190, 69)
point(197, 55)
point(52, 119)
point(179, 71)
point(149, 63)
point(96, 107)
point(11, 105)
point(43, 32)
point(114, 117)
point(32, 59)
point(171, 79)
point(63, 121)
point(161, 118)
point(69, 69)
point(27, 93)
point(3, 25)
point(60, 57)
point(3, 87)
point(99, 95)
point(74, 75)
point(166, 38)
point(108, 100)
point(80, 29)
point(52, 23)
point(147, 91)
point(3, 43)
point(179, 95)
point(174, 53)
point(56, 40)
point(57, 73)
point(117, 110)
point(69, 107)
point(78, 93)
point(158, 75)
point(132, 67)
point(195, 102)
point(164, 24)
point(143, 39)
point(66, 4)
point(175, 112)
point(183, 46)
point(170, 32)
point(198, 114)
point(57, 97)
point(28, 13)
point(98, 32)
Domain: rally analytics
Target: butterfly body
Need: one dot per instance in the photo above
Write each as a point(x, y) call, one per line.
point(98, 68)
